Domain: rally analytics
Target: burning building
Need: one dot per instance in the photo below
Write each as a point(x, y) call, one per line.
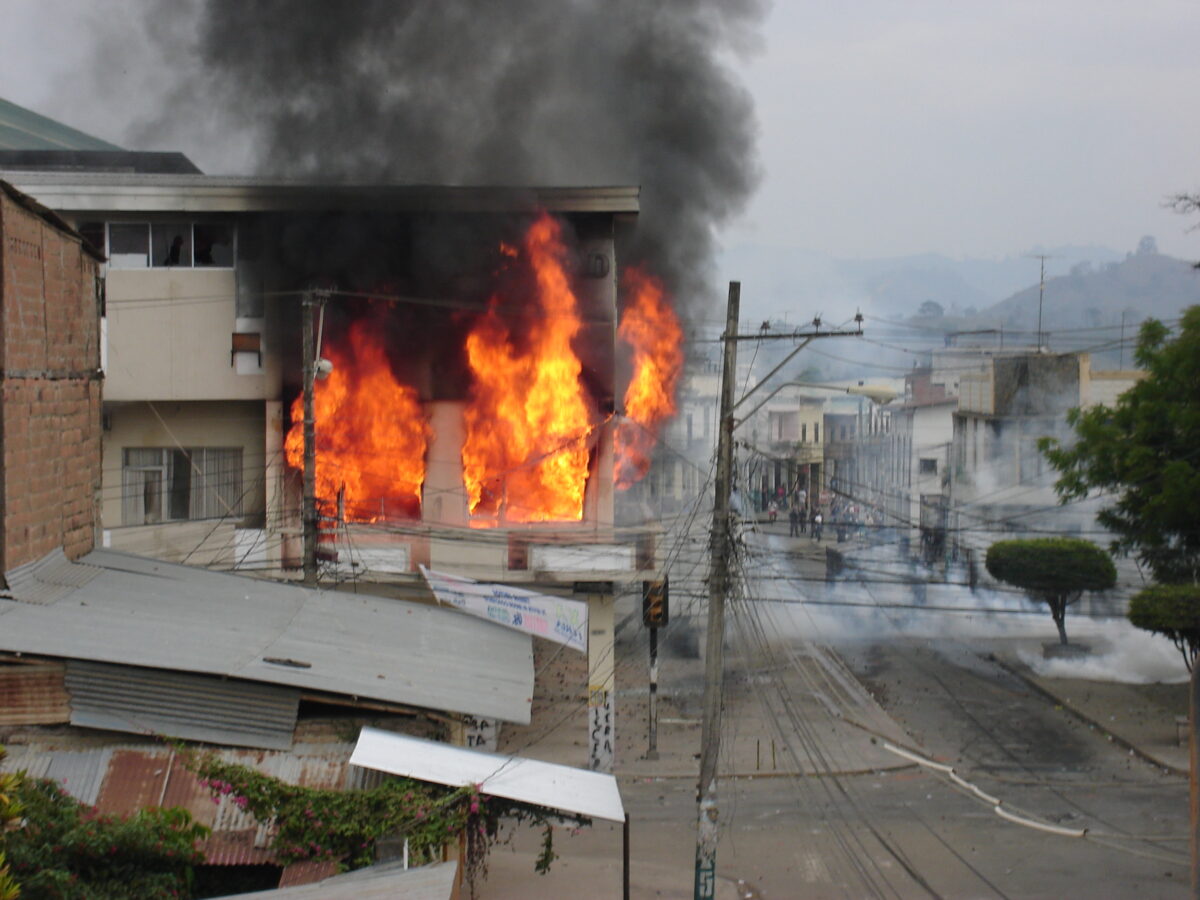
point(489, 376)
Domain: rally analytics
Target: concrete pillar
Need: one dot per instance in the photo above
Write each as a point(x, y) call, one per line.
point(276, 519)
point(602, 730)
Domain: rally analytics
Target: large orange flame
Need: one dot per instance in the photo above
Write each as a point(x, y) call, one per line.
point(649, 325)
point(525, 456)
point(371, 434)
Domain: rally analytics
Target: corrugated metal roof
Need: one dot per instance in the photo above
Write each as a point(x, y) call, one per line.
point(119, 779)
point(49, 578)
point(23, 129)
point(181, 705)
point(33, 695)
point(80, 772)
point(307, 871)
point(381, 882)
point(144, 612)
point(130, 192)
point(544, 784)
point(148, 162)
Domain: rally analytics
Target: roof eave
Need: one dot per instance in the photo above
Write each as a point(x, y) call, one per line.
point(101, 192)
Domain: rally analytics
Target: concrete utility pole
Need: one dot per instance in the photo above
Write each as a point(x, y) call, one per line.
point(1194, 774)
point(714, 660)
point(308, 510)
point(718, 579)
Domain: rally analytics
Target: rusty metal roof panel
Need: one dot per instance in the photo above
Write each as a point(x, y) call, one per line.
point(307, 871)
point(236, 848)
point(33, 695)
point(134, 780)
point(120, 778)
point(181, 705)
point(148, 613)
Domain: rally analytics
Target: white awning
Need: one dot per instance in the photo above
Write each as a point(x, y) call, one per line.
point(531, 781)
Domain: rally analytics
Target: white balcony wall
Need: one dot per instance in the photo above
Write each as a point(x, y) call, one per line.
point(169, 337)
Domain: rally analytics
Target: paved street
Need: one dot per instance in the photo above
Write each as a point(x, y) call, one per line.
point(815, 804)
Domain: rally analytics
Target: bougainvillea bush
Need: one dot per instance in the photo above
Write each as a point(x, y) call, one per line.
point(345, 826)
point(65, 850)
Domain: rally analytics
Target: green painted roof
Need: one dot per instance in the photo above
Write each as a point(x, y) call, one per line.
point(23, 129)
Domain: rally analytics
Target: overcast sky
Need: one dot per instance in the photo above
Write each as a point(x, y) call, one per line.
point(887, 128)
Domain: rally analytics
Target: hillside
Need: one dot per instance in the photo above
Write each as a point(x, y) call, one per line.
point(1144, 285)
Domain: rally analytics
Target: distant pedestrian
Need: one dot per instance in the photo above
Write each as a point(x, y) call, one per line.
point(793, 522)
point(817, 522)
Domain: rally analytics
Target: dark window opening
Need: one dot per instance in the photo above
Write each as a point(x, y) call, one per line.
point(172, 244)
point(129, 246)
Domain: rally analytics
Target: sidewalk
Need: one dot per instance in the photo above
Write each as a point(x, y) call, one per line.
point(1148, 719)
point(823, 693)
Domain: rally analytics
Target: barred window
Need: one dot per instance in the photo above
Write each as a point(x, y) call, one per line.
point(162, 484)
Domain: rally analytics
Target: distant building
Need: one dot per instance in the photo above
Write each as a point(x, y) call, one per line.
point(1000, 482)
point(919, 455)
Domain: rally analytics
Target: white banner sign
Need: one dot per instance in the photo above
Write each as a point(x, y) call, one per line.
point(553, 618)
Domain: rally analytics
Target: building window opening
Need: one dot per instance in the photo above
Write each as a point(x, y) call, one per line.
point(162, 484)
point(172, 244)
point(927, 467)
point(129, 246)
point(214, 245)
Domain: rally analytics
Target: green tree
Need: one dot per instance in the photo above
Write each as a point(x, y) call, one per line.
point(1172, 610)
point(66, 851)
point(1145, 452)
point(1055, 571)
point(10, 818)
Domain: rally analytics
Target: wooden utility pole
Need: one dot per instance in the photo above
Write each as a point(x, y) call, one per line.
point(718, 585)
point(308, 510)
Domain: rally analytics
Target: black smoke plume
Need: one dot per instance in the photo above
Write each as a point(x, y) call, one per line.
point(521, 92)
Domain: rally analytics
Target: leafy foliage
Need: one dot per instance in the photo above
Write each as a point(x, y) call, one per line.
point(1172, 610)
point(1055, 571)
point(1146, 451)
point(346, 826)
point(66, 851)
point(10, 818)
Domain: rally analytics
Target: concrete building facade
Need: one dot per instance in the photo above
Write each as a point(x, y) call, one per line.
point(201, 353)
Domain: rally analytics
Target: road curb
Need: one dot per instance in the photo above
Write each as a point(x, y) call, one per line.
point(842, 773)
point(1084, 717)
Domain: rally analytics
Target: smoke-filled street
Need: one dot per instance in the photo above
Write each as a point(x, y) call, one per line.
point(821, 795)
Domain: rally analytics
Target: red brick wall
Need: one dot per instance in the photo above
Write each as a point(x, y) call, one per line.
point(49, 389)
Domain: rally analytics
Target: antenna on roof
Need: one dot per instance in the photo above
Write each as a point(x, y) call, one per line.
point(1041, 291)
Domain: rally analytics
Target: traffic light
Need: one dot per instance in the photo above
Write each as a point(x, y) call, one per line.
point(656, 603)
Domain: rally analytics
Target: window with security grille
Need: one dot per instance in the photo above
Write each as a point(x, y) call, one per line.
point(164, 484)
